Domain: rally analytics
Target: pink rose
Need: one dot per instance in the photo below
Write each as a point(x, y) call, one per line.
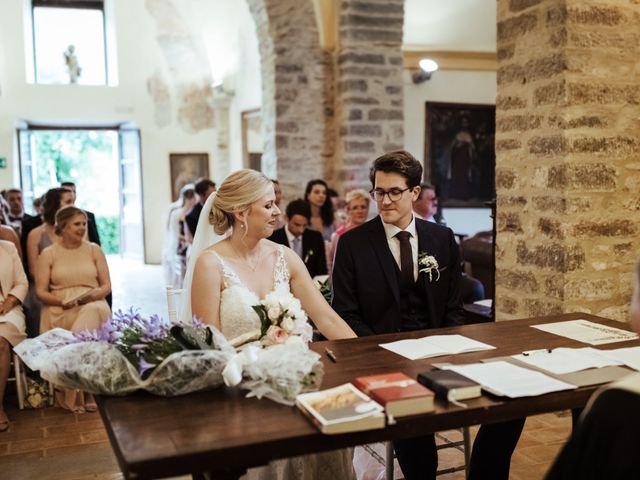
point(274, 336)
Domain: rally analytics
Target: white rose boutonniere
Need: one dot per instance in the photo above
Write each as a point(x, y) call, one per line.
point(428, 264)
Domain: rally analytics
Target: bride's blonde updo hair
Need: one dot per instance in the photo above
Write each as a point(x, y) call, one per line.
point(236, 194)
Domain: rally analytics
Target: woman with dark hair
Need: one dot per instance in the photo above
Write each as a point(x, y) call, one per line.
point(41, 237)
point(72, 281)
point(316, 195)
point(6, 232)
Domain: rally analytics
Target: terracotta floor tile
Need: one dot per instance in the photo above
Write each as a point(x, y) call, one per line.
point(19, 432)
point(4, 448)
point(79, 427)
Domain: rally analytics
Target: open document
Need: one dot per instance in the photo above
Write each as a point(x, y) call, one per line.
point(505, 379)
point(628, 356)
point(587, 332)
point(435, 346)
point(567, 360)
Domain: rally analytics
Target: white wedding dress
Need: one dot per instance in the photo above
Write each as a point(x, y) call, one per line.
point(238, 318)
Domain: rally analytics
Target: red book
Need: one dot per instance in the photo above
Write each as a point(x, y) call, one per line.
point(398, 393)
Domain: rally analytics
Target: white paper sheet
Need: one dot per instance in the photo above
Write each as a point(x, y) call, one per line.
point(506, 379)
point(435, 346)
point(628, 356)
point(566, 360)
point(587, 332)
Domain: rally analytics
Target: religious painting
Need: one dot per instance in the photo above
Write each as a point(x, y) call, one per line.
point(187, 168)
point(460, 158)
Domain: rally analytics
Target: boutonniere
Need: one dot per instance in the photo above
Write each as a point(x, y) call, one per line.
point(428, 264)
point(309, 253)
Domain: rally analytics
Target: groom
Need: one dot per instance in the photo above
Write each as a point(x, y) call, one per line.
point(378, 288)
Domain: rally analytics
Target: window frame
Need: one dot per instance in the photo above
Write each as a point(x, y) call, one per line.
point(75, 4)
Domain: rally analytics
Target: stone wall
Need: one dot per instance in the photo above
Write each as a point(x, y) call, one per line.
point(368, 87)
point(567, 166)
point(327, 114)
point(297, 99)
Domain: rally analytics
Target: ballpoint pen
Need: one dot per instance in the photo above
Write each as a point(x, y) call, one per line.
point(331, 355)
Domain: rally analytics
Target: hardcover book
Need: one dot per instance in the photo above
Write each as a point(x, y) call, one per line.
point(341, 409)
point(449, 385)
point(400, 394)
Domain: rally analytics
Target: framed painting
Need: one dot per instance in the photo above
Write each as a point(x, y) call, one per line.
point(187, 168)
point(460, 158)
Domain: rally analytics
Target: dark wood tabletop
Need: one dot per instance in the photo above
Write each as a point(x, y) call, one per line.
point(221, 431)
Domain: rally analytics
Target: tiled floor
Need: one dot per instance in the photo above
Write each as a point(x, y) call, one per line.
point(54, 444)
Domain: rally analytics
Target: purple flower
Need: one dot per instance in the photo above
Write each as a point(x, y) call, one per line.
point(143, 366)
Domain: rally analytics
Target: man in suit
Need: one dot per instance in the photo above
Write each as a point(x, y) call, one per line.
point(307, 243)
point(203, 188)
point(92, 227)
point(382, 284)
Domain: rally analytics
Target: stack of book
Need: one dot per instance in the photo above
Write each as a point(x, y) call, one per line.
point(450, 386)
point(361, 405)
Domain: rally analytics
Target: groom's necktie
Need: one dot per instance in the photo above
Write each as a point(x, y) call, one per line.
point(406, 259)
point(296, 245)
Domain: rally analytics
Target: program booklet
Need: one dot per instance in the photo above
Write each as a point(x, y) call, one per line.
point(79, 298)
point(400, 394)
point(341, 409)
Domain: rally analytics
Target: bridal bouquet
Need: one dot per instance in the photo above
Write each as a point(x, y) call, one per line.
point(131, 352)
point(282, 317)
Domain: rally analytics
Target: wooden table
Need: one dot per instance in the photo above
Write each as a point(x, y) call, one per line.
point(222, 432)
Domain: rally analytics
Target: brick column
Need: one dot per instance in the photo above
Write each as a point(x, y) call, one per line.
point(567, 168)
point(368, 88)
point(297, 103)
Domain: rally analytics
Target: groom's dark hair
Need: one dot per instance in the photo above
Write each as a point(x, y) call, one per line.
point(398, 161)
point(298, 207)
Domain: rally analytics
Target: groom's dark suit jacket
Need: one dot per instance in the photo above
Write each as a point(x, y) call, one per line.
point(366, 293)
point(313, 254)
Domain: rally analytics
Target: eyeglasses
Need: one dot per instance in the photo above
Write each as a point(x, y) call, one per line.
point(394, 194)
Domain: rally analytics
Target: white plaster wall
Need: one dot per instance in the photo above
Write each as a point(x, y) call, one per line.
point(454, 87)
point(139, 57)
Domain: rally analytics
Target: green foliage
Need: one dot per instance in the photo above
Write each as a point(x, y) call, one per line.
point(109, 231)
point(60, 155)
point(325, 290)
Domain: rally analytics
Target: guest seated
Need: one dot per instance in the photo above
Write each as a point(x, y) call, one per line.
point(605, 440)
point(306, 243)
point(7, 233)
point(17, 215)
point(316, 195)
point(13, 289)
point(72, 281)
point(357, 208)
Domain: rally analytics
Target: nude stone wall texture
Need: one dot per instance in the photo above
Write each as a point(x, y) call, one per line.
point(328, 114)
point(368, 87)
point(568, 161)
point(297, 103)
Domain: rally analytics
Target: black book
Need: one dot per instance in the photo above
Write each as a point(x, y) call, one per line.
point(449, 385)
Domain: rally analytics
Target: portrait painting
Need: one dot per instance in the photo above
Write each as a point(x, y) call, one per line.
point(460, 153)
point(187, 168)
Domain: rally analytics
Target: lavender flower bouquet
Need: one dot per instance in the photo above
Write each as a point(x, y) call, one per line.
point(129, 353)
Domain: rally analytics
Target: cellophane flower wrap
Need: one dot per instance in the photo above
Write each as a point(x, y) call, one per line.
point(132, 353)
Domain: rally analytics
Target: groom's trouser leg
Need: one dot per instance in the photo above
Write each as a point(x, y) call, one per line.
point(492, 450)
point(418, 457)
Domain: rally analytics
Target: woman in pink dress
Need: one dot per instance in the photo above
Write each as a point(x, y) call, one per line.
point(72, 281)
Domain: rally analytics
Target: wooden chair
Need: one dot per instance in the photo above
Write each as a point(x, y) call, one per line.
point(463, 446)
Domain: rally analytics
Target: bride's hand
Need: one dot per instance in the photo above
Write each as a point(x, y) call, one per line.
point(313, 302)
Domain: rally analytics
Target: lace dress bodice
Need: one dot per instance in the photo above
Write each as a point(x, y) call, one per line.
point(237, 316)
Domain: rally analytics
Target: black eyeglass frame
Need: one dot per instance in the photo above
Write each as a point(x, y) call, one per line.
point(394, 192)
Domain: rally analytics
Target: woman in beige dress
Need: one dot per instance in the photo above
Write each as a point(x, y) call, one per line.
point(13, 288)
point(72, 281)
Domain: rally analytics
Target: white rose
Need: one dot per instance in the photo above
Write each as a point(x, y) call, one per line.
point(274, 313)
point(288, 324)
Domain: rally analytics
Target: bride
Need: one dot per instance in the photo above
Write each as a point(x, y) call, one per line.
point(233, 266)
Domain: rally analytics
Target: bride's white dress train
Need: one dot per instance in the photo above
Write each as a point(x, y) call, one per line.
point(237, 318)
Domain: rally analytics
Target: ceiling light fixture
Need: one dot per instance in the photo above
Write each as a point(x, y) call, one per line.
point(427, 67)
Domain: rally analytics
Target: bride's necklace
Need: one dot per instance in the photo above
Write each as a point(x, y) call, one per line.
point(245, 260)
